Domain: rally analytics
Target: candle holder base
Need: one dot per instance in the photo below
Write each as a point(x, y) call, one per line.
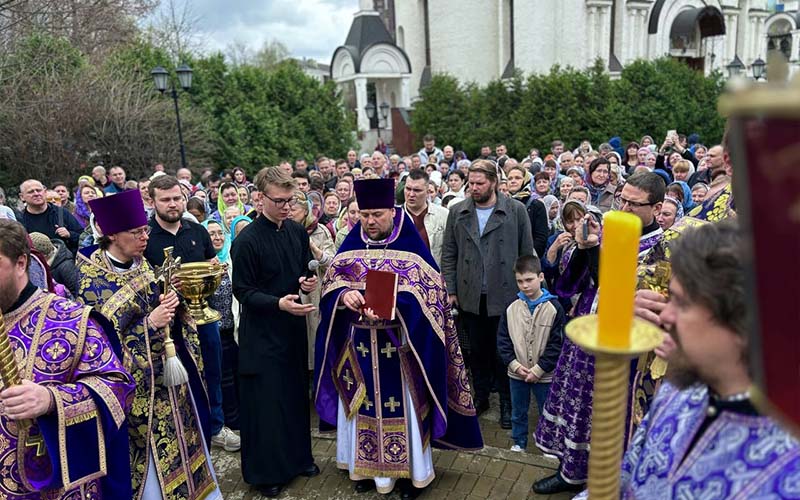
point(611, 379)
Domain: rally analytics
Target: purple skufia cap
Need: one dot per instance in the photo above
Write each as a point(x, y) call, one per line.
point(119, 212)
point(374, 194)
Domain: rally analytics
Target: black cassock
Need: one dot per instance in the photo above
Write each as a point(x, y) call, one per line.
point(274, 401)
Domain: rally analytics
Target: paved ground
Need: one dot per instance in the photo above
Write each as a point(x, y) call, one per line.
point(492, 473)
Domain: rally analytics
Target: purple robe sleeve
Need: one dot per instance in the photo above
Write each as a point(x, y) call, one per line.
point(85, 435)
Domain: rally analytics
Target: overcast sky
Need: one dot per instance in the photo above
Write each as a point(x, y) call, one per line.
point(309, 28)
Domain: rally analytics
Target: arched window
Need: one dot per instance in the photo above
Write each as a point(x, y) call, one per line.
point(779, 37)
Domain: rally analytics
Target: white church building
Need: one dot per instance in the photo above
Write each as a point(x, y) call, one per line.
point(395, 46)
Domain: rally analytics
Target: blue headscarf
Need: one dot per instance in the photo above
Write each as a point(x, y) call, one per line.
point(225, 252)
point(688, 203)
point(237, 220)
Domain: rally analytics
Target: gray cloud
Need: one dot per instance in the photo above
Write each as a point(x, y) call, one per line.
point(309, 28)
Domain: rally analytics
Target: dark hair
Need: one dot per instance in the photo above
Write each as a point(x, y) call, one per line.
point(14, 241)
point(596, 164)
point(650, 183)
point(228, 185)
point(103, 242)
point(528, 264)
point(340, 161)
point(459, 173)
point(162, 182)
point(418, 174)
point(707, 261)
point(541, 176)
point(59, 183)
point(556, 143)
point(300, 174)
point(428, 137)
point(551, 164)
point(195, 203)
point(316, 184)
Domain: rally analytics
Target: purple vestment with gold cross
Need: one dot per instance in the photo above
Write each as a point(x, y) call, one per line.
point(63, 346)
point(375, 369)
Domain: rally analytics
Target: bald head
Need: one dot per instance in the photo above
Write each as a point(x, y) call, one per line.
point(34, 194)
point(184, 174)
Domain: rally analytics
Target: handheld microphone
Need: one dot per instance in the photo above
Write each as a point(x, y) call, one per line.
point(313, 265)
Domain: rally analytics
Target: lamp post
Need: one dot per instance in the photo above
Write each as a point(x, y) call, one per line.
point(759, 66)
point(161, 79)
point(735, 67)
point(370, 108)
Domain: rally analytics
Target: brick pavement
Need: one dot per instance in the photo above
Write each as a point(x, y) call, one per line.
point(492, 473)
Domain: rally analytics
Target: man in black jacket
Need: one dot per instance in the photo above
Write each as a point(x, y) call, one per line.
point(540, 227)
point(46, 218)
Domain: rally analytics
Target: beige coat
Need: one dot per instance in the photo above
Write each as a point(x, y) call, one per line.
point(529, 334)
point(322, 239)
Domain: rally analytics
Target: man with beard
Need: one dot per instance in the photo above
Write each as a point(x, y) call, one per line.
point(74, 392)
point(703, 437)
point(393, 386)
point(166, 424)
point(270, 268)
point(190, 241)
point(483, 237)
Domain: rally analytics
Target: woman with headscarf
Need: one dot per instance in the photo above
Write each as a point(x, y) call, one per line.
point(222, 300)
point(350, 216)
point(699, 192)
point(331, 207)
point(552, 207)
point(686, 196)
point(85, 194)
point(240, 178)
point(228, 197)
point(598, 181)
point(322, 249)
point(671, 212)
point(519, 183)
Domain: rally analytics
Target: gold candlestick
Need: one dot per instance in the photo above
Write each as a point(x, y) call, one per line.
point(9, 373)
point(611, 379)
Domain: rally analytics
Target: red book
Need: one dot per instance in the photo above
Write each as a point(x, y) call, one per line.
point(381, 293)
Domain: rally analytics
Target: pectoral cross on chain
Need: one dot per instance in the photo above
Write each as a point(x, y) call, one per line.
point(388, 350)
point(391, 404)
point(168, 269)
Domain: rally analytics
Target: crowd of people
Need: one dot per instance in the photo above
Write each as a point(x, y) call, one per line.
point(493, 256)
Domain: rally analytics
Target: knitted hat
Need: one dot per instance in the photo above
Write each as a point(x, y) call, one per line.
point(42, 243)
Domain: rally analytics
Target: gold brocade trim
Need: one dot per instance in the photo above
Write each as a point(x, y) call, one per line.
point(207, 490)
point(200, 460)
point(81, 418)
point(62, 439)
point(27, 373)
point(111, 402)
point(83, 325)
point(422, 370)
point(179, 479)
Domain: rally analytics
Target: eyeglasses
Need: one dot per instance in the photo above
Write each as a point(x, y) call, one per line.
point(621, 202)
point(138, 233)
point(280, 203)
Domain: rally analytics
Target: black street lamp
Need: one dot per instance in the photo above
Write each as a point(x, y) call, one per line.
point(736, 67)
point(759, 66)
point(161, 79)
point(370, 108)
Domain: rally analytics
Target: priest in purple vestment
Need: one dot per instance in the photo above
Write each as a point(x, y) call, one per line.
point(392, 388)
point(63, 432)
point(703, 437)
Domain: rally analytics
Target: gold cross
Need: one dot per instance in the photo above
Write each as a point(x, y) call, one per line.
point(388, 350)
point(348, 379)
point(55, 350)
point(367, 404)
point(168, 269)
point(391, 404)
point(362, 349)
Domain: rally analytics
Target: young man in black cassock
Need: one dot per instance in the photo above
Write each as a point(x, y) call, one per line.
point(270, 264)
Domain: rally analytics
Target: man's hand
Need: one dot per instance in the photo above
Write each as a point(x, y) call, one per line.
point(27, 400)
point(648, 305)
point(522, 371)
point(162, 315)
point(531, 378)
point(369, 314)
point(353, 300)
point(308, 284)
point(288, 304)
point(452, 299)
point(62, 232)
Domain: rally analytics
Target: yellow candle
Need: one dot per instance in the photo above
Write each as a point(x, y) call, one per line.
point(618, 259)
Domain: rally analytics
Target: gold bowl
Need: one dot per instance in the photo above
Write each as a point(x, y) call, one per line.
point(199, 281)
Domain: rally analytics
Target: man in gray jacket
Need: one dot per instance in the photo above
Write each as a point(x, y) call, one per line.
point(483, 237)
